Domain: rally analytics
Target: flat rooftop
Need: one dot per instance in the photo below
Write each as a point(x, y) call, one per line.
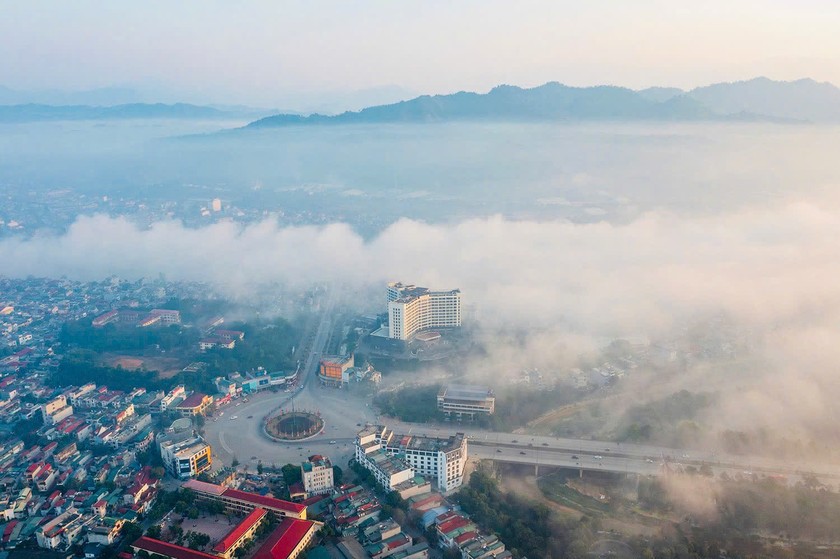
point(203, 487)
point(336, 359)
point(466, 392)
point(195, 400)
point(433, 444)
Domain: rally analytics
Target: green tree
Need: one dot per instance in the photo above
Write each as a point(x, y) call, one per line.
point(131, 531)
point(291, 474)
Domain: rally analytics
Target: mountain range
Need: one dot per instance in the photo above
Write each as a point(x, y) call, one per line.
point(758, 99)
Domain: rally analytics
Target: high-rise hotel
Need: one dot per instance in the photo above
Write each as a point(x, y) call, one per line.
point(412, 309)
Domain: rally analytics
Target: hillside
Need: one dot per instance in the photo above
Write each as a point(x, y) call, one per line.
point(758, 99)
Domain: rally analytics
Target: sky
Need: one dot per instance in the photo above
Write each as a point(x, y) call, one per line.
point(269, 53)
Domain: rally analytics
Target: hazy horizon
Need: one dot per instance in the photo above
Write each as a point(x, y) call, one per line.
point(290, 55)
point(650, 277)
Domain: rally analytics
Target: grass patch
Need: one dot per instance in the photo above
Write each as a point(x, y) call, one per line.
point(555, 489)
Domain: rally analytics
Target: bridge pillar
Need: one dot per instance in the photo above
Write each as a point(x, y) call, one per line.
point(536, 470)
point(581, 472)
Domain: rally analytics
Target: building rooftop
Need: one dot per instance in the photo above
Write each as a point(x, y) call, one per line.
point(233, 536)
point(284, 539)
point(262, 501)
point(194, 401)
point(203, 487)
point(336, 359)
point(466, 392)
point(152, 545)
point(316, 461)
point(432, 444)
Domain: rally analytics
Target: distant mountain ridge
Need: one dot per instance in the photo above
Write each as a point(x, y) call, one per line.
point(756, 99)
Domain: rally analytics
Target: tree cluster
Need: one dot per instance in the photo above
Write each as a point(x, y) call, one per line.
point(526, 528)
point(266, 344)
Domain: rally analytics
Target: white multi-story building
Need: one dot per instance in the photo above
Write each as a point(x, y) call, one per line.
point(412, 309)
point(56, 409)
point(465, 400)
point(441, 459)
point(317, 475)
point(185, 455)
point(177, 394)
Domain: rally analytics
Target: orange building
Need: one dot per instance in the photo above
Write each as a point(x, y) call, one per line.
point(333, 367)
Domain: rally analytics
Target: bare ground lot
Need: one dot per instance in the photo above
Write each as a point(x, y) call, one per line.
point(166, 366)
point(215, 526)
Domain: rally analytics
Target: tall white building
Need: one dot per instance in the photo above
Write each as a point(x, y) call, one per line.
point(412, 309)
point(317, 475)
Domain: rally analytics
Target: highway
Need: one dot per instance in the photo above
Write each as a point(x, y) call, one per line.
point(611, 456)
point(238, 432)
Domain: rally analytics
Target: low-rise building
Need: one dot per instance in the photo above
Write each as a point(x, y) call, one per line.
point(56, 410)
point(240, 534)
point(196, 404)
point(156, 548)
point(171, 398)
point(289, 540)
point(106, 532)
point(459, 401)
point(242, 502)
point(333, 369)
point(62, 531)
point(212, 343)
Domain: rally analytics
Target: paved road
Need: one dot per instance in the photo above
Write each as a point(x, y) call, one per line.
point(243, 437)
point(238, 432)
point(618, 457)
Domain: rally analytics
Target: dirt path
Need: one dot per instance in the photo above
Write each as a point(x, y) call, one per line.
point(527, 487)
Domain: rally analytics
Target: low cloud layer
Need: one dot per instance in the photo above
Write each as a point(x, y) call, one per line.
point(774, 271)
point(768, 267)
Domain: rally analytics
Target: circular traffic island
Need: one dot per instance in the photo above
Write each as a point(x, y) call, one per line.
point(294, 425)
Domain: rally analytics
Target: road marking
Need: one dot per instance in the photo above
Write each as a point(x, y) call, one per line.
point(224, 444)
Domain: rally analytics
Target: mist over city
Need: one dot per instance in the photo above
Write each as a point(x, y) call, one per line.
point(462, 281)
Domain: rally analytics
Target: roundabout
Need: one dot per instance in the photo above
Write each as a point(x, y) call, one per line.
point(293, 425)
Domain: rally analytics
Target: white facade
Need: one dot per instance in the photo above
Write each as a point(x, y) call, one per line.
point(187, 457)
point(317, 474)
point(172, 396)
point(56, 410)
point(441, 459)
point(412, 309)
point(466, 400)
